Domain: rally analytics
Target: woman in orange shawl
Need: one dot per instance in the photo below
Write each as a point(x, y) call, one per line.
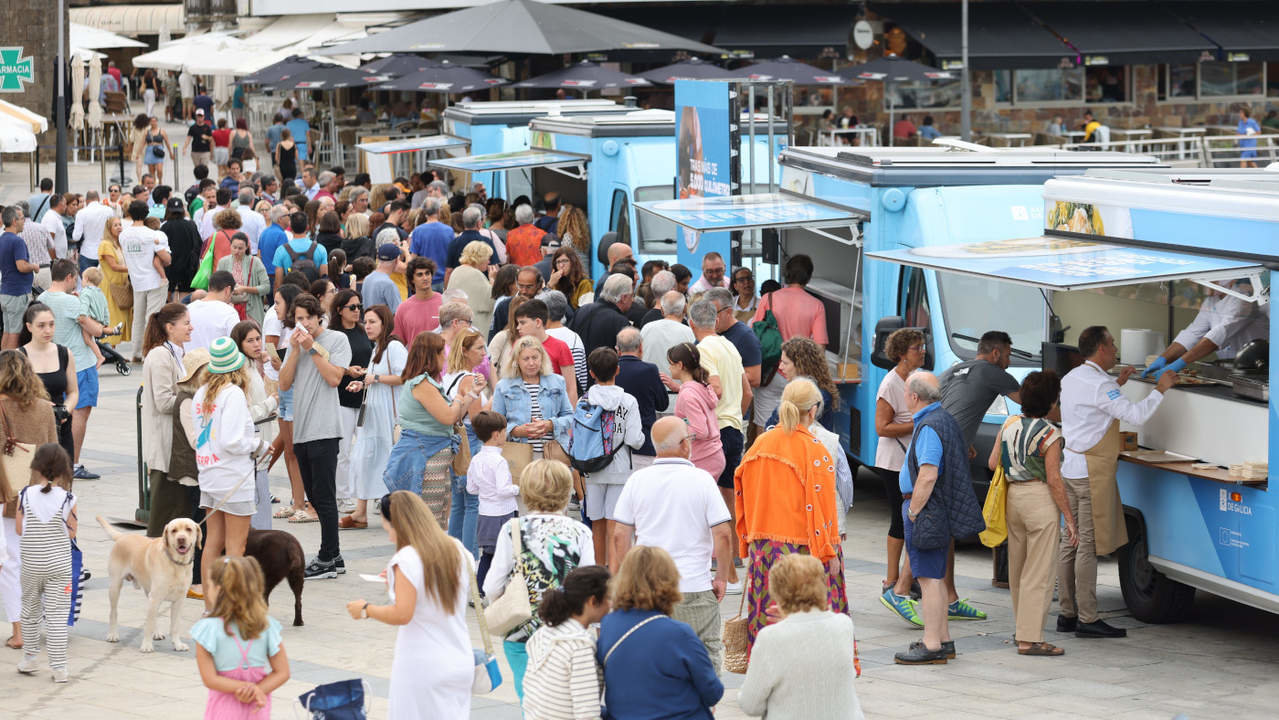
point(786, 502)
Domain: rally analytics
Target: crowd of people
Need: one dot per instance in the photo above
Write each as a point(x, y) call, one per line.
point(625, 451)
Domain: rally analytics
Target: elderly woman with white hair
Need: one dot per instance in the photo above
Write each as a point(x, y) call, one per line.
point(473, 275)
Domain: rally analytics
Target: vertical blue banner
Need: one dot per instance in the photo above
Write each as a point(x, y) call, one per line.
point(704, 160)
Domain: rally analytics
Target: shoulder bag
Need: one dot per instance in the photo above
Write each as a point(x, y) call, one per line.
point(769, 334)
point(205, 270)
point(15, 463)
point(513, 608)
point(627, 634)
point(122, 293)
point(462, 458)
point(736, 643)
point(488, 676)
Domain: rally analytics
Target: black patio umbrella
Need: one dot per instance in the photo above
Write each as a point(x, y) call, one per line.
point(786, 68)
point(443, 77)
point(690, 69)
point(396, 65)
point(893, 69)
point(277, 72)
point(584, 75)
point(518, 27)
point(330, 77)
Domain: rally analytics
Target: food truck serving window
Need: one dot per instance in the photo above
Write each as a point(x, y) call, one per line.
point(1055, 263)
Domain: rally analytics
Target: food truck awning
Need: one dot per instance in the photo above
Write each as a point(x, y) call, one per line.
point(1056, 263)
point(429, 142)
point(749, 212)
point(516, 160)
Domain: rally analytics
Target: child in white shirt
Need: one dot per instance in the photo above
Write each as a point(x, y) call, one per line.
point(489, 477)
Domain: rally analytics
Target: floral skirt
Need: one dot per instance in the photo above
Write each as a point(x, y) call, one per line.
point(763, 554)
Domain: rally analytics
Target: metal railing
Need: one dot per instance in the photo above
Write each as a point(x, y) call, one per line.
point(1206, 151)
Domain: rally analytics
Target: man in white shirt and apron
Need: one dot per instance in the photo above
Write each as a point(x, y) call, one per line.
point(1223, 326)
point(1091, 408)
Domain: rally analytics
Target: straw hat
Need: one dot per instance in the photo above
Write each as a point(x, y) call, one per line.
point(225, 356)
point(192, 362)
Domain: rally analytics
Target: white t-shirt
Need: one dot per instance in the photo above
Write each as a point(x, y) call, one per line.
point(661, 335)
point(271, 325)
point(890, 453)
point(140, 245)
point(210, 320)
point(252, 225)
point(673, 505)
point(52, 222)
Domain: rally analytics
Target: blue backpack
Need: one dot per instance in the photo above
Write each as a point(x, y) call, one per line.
point(593, 444)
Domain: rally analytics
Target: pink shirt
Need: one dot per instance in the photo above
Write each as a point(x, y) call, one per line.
point(415, 316)
point(797, 313)
point(696, 404)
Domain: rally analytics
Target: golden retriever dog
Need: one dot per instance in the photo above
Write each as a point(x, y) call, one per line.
point(160, 567)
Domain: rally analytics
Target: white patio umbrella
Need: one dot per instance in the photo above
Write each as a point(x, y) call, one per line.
point(95, 82)
point(15, 136)
point(77, 87)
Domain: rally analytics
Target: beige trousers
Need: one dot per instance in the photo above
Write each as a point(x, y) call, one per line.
point(1077, 593)
point(1032, 555)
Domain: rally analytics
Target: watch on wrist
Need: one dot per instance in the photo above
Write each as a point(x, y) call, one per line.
point(364, 611)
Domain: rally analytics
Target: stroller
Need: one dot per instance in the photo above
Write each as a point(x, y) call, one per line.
point(111, 356)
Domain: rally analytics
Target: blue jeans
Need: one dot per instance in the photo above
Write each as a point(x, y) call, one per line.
point(517, 657)
point(464, 510)
point(86, 263)
point(407, 462)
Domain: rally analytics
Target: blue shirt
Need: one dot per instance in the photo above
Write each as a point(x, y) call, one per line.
point(12, 282)
point(273, 134)
point(67, 310)
point(661, 671)
point(431, 240)
point(205, 103)
point(268, 242)
point(299, 245)
point(299, 127)
point(743, 338)
point(928, 453)
point(1244, 127)
point(461, 241)
point(380, 289)
point(928, 132)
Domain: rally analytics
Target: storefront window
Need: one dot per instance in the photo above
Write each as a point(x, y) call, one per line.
point(1181, 81)
point(1003, 86)
point(1213, 80)
point(1107, 84)
point(934, 94)
point(1053, 85)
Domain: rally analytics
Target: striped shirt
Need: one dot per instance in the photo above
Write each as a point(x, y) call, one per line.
point(1024, 447)
point(562, 681)
point(534, 390)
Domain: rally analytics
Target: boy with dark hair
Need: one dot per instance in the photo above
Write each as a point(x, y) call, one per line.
point(489, 477)
point(421, 311)
point(603, 488)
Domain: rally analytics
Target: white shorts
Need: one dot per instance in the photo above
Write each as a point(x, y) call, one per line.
point(601, 500)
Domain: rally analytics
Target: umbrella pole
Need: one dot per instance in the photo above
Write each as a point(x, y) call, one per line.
point(333, 127)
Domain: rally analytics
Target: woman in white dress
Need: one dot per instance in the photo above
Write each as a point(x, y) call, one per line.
point(374, 435)
point(428, 579)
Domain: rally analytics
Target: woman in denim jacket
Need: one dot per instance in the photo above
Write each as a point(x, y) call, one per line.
point(534, 400)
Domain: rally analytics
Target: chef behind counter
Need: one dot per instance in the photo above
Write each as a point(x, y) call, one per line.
point(1224, 325)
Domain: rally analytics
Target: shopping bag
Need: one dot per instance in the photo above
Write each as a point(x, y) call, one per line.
point(201, 279)
point(342, 700)
point(488, 676)
point(994, 511)
point(75, 588)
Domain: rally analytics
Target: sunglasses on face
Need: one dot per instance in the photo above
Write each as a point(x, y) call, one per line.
point(355, 306)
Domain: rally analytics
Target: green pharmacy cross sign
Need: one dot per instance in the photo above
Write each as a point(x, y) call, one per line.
point(15, 69)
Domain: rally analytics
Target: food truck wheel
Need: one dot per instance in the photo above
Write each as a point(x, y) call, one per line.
point(1150, 595)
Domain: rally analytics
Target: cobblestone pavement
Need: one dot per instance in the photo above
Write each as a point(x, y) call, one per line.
point(1221, 664)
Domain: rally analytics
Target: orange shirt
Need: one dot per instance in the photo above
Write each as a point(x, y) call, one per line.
point(786, 493)
point(524, 245)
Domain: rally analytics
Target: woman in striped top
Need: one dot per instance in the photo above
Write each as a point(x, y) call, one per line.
point(533, 398)
point(563, 681)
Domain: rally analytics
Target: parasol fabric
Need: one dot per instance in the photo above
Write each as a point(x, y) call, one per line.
point(585, 75)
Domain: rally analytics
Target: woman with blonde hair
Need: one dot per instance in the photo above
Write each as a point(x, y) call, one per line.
point(224, 451)
point(551, 545)
point(28, 418)
point(428, 580)
point(466, 354)
point(356, 242)
point(533, 398)
point(474, 277)
point(115, 281)
point(786, 502)
point(804, 665)
point(654, 666)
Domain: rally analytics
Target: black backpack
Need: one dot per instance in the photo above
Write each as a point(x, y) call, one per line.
point(304, 263)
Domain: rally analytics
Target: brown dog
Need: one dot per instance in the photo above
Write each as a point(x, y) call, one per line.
point(160, 567)
point(281, 556)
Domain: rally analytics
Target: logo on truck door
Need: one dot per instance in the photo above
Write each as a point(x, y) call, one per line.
point(1227, 503)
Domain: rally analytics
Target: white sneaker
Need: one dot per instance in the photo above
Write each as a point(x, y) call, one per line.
point(27, 666)
point(733, 588)
point(59, 675)
point(346, 505)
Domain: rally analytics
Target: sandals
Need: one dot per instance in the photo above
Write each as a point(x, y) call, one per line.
point(284, 512)
point(302, 516)
point(1041, 649)
point(348, 522)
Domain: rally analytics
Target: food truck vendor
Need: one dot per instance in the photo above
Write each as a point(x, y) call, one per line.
point(1224, 325)
point(1091, 407)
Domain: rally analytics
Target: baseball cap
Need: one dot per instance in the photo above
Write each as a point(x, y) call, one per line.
point(388, 251)
point(177, 203)
point(200, 112)
point(550, 243)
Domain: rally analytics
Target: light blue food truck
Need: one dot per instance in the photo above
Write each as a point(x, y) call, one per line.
point(605, 164)
point(956, 244)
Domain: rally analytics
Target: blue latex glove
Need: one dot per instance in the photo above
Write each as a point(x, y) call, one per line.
point(1176, 365)
point(1157, 366)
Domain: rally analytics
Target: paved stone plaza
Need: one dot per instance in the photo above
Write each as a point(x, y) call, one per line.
point(1221, 665)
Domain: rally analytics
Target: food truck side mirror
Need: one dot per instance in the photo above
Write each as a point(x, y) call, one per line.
point(885, 327)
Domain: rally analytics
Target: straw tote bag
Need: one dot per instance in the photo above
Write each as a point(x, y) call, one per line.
point(736, 643)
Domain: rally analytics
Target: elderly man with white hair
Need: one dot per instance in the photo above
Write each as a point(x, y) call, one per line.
point(663, 282)
point(557, 309)
point(275, 234)
point(471, 219)
point(328, 185)
point(524, 243)
point(673, 505)
point(668, 331)
point(599, 322)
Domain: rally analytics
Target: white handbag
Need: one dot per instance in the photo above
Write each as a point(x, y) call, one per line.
point(513, 608)
point(487, 674)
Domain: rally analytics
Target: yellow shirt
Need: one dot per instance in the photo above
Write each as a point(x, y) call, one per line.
point(402, 283)
point(722, 360)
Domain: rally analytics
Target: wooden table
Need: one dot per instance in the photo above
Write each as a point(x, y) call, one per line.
point(1217, 474)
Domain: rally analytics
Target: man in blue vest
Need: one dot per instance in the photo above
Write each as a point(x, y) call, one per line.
point(935, 474)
